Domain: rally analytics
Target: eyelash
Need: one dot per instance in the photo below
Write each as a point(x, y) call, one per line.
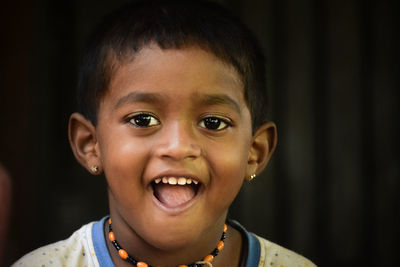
point(151, 121)
point(213, 119)
point(143, 116)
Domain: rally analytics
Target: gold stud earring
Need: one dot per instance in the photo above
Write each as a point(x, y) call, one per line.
point(252, 177)
point(95, 169)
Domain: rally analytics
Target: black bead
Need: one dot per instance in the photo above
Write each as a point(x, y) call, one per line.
point(215, 252)
point(116, 245)
point(131, 260)
point(223, 236)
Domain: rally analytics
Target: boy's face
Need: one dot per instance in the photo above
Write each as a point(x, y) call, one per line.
point(173, 114)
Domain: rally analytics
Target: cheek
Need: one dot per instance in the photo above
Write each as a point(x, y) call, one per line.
point(118, 155)
point(123, 167)
point(123, 161)
point(230, 157)
point(117, 147)
point(231, 172)
point(228, 171)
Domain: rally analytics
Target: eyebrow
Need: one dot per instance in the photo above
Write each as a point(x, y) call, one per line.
point(218, 99)
point(139, 97)
point(207, 99)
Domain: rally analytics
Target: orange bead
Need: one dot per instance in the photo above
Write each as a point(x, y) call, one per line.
point(109, 220)
point(141, 264)
point(111, 236)
point(225, 228)
point(220, 245)
point(208, 258)
point(123, 254)
point(182, 265)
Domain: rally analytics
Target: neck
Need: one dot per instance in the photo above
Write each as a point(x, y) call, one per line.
point(141, 250)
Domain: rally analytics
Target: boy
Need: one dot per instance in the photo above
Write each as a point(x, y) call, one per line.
point(172, 111)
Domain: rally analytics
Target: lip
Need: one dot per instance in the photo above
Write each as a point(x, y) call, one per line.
point(184, 206)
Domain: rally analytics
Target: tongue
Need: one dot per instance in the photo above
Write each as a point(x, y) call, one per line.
point(173, 195)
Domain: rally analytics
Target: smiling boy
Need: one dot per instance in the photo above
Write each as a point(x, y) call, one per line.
point(172, 111)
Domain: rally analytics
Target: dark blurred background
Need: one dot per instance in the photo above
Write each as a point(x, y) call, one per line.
point(331, 190)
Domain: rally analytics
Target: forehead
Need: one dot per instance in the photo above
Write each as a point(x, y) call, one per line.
point(174, 73)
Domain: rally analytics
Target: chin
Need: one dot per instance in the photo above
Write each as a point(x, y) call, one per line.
point(172, 241)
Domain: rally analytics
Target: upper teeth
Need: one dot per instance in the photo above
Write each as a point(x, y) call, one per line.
point(174, 180)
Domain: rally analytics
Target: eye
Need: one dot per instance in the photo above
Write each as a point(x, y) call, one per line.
point(143, 120)
point(214, 123)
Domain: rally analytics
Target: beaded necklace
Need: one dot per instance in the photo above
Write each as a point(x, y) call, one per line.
point(125, 256)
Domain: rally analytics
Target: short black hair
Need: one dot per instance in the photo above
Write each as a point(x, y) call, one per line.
point(172, 25)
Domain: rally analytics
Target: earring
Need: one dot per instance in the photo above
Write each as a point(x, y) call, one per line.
point(95, 169)
point(252, 177)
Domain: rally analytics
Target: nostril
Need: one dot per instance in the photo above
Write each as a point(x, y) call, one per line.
point(180, 152)
point(178, 142)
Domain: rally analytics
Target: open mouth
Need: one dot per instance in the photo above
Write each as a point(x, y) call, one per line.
point(175, 191)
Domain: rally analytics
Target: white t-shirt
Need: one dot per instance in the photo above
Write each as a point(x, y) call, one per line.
point(87, 248)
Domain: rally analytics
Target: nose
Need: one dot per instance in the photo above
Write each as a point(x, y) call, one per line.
point(178, 142)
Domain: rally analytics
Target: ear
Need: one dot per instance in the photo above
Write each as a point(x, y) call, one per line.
point(263, 145)
point(83, 141)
